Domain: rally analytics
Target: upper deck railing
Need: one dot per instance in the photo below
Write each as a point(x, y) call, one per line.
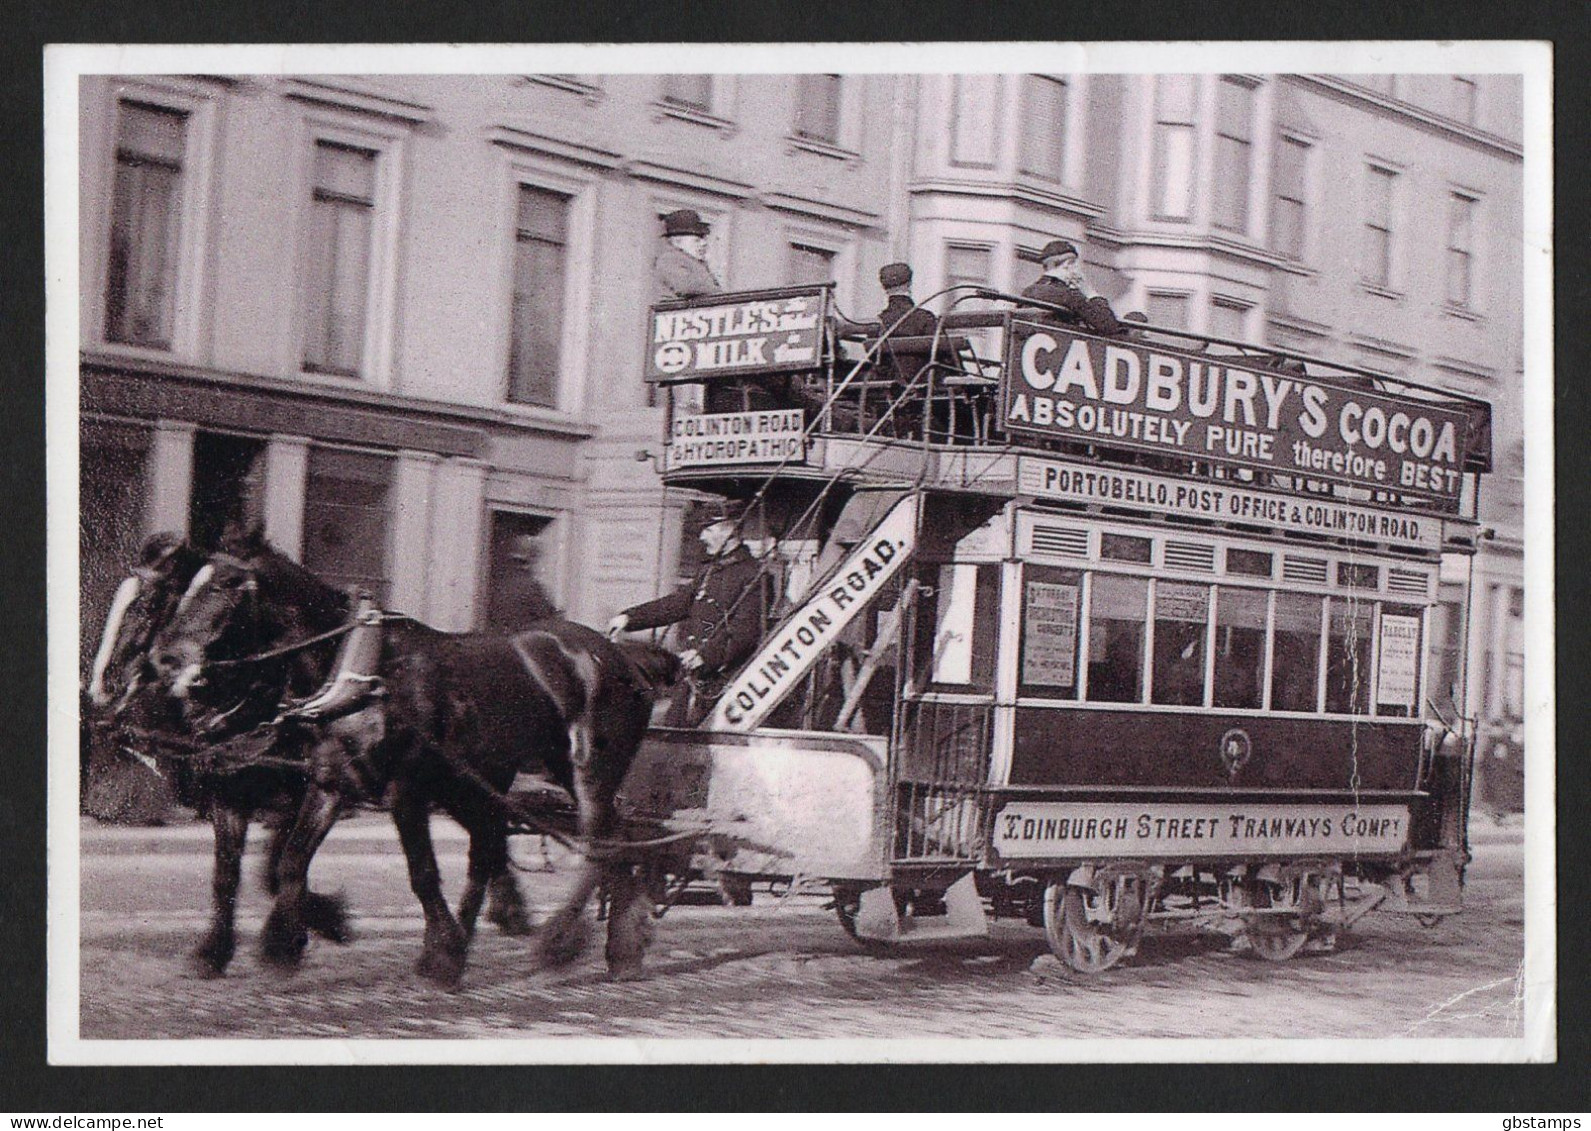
point(782, 387)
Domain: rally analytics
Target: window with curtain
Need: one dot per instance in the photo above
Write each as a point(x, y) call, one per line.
point(808, 264)
point(1229, 319)
point(1167, 309)
point(1375, 267)
point(341, 227)
point(1460, 248)
point(1234, 123)
point(695, 92)
point(540, 273)
point(1043, 126)
point(346, 518)
point(144, 229)
point(817, 116)
point(1172, 192)
point(1289, 212)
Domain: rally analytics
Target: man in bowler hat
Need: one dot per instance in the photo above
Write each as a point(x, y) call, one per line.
point(722, 613)
point(680, 270)
point(1063, 285)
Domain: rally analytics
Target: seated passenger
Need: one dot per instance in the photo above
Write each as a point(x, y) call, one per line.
point(897, 363)
point(1063, 285)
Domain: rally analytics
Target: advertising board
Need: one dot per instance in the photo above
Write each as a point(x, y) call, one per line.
point(779, 331)
point(1192, 829)
point(1088, 483)
point(710, 439)
point(1063, 385)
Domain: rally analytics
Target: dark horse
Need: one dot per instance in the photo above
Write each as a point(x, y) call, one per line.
point(133, 708)
point(459, 717)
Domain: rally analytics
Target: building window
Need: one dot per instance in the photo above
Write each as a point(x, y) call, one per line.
point(540, 267)
point(145, 204)
point(346, 500)
point(341, 228)
point(1167, 310)
point(817, 116)
point(1464, 99)
point(1173, 169)
point(1234, 115)
point(1289, 216)
point(809, 264)
point(1229, 319)
point(1460, 248)
point(1376, 266)
point(694, 92)
point(974, 121)
point(1043, 126)
point(967, 264)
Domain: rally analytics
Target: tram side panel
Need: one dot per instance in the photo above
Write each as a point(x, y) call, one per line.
point(778, 803)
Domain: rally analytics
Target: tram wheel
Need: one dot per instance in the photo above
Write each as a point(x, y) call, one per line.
point(1085, 946)
point(1275, 938)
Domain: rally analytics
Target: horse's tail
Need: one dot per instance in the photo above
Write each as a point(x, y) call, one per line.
point(657, 668)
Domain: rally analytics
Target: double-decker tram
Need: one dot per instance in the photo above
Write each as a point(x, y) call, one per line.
point(1114, 635)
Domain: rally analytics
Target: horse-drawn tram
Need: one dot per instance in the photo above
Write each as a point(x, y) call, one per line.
point(1109, 634)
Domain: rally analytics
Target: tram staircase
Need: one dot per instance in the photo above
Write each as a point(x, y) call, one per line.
point(891, 517)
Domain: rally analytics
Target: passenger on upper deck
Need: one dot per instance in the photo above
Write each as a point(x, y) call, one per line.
point(899, 363)
point(680, 269)
point(1064, 285)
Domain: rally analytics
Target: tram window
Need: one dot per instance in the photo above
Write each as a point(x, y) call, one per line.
point(1295, 661)
point(1124, 548)
point(1118, 606)
point(1051, 600)
point(1250, 563)
point(1182, 616)
point(955, 632)
point(1358, 575)
point(1239, 648)
point(1348, 656)
point(1398, 651)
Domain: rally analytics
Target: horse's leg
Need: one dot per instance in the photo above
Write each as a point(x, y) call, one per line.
point(505, 906)
point(566, 932)
point(286, 929)
point(488, 861)
point(231, 824)
point(442, 959)
point(630, 927)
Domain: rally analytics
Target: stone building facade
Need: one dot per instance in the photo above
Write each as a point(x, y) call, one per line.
point(398, 319)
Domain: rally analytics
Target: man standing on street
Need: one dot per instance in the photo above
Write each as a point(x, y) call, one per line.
point(722, 613)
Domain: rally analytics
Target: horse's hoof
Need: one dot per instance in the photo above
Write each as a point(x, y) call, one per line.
point(440, 968)
point(205, 964)
point(327, 916)
point(510, 921)
point(284, 952)
point(563, 939)
point(631, 973)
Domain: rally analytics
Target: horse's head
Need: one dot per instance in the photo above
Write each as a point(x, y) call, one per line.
point(144, 603)
point(246, 599)
point(221, 595)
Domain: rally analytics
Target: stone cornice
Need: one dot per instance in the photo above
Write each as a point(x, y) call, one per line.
point(1469, 135)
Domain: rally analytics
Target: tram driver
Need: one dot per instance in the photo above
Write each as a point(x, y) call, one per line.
point(721, 614)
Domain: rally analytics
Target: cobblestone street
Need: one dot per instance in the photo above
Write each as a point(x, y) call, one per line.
point(781, 968)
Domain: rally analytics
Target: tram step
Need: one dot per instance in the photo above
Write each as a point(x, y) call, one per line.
point(964, 917)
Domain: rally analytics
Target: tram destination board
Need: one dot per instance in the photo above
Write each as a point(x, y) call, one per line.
point(1224, 502)
point(1063, 385)
point(774, 331)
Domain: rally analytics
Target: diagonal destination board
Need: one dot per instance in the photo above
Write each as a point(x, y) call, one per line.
point(803, 636)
